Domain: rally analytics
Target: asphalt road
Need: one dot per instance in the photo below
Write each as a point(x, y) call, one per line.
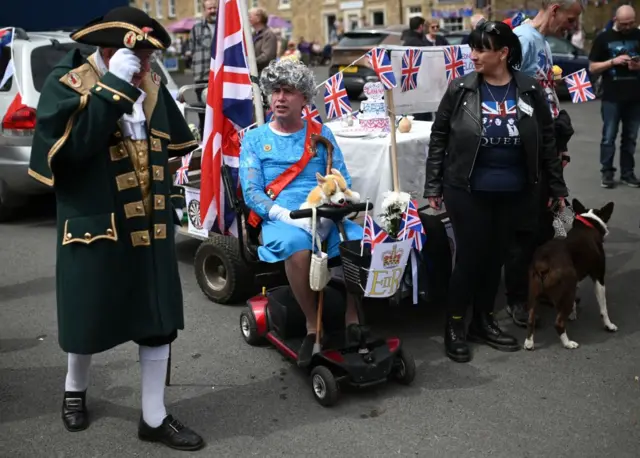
point(250, 402)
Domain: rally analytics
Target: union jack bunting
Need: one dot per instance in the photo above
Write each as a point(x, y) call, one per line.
point(411, 226)
point(381, 64)
point(336, 100)
point(411, 62)
point(453, 63)
point(310, 113)
point(580, 87)
point(182, 175)
point(373, 234)
point(229, 109)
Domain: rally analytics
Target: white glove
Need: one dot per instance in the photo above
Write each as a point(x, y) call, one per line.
point(124, 64)
point(277, 213)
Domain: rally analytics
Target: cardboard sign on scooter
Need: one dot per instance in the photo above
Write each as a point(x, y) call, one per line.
point(388, 262)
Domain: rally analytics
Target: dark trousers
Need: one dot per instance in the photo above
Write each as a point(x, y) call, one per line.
point(534, 228)
point(158, 341)
point(483, 224)
point(201, 116)
point(614, 113)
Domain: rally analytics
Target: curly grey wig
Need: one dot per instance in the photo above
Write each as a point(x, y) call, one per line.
point(288, 73)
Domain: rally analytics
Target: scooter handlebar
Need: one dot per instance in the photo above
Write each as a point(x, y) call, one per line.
point(333, 213)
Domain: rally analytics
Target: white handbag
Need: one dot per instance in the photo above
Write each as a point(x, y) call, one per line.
point(319, 274)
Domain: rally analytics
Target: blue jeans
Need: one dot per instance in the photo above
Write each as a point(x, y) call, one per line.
point(612, 114)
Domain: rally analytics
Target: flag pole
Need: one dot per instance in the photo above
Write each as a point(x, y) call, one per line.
point(251, 57)
point(394, 144)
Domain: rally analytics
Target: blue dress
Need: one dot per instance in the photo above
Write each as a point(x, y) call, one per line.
point(265, 154)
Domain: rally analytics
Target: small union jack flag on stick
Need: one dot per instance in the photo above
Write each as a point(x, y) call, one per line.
point(373, 234)
point(182, 175)
point(381, 64)
point(579, 86)
point(411, 62)
point(453, 62)
point(310, 114)
point(411, 226)
point(336, 100)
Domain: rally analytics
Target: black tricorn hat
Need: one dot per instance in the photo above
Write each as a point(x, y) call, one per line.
point(124, 27)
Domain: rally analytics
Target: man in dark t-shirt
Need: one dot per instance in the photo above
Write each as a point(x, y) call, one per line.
point(616, 54)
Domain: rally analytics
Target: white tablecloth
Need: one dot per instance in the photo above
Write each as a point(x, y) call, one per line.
point(369, 162)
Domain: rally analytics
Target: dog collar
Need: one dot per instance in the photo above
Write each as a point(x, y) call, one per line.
point(590, 215)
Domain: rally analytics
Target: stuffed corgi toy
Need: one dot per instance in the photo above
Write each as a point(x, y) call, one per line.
point(331, 190)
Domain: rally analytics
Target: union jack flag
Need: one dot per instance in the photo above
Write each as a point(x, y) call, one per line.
point(182, 175)
point(499, 109)
point(580, 87)
point(382, 66)
point(411, 226)
point(310, 113)
point(453, 63)
point(336, 100)
point(373, 234)
point(229, 110)
point(411, 62)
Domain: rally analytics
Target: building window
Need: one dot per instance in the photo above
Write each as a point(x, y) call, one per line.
point(453, 24)
point(197, 7)
point(284, 4)
point(254, 4)
point(172, 8)
point(146, 7)
point(377, 18)
point(413, 11)
point(159, 11)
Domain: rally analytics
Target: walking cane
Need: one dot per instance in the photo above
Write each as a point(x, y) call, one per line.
point(167, 380)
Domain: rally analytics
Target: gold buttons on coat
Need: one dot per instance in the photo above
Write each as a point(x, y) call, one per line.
point(69, 236)
point(98, 89)
point(109, 231)
point(116, 97)
point(87, 236)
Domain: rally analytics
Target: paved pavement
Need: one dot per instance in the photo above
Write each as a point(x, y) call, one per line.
point(250, 402)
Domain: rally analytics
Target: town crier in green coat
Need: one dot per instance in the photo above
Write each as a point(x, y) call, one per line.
point(106, 128)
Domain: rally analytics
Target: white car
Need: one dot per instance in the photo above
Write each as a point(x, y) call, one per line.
point(34, 56)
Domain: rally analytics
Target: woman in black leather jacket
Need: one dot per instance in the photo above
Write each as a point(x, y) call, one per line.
point(492, 138)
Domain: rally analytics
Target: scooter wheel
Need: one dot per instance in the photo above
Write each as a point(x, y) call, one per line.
point(324, 385)
point(249, 328)
point(405, 368)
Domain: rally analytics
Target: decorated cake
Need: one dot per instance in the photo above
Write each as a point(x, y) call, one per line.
point(373, 115)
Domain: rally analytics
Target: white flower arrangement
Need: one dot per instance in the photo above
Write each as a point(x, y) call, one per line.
point(394, 205)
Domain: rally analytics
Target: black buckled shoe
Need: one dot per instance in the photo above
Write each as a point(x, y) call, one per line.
point(171, 433)
point(484, 329)
point(358, 334)
point(455, 342)
point(74, 411)
point(306, 350)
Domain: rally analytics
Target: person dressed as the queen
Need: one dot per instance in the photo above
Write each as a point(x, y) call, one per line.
point(267, 152)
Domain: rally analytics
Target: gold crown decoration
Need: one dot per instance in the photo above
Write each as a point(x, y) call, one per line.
point(392, 258)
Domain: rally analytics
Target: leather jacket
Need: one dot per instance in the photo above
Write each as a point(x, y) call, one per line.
point(457, 131)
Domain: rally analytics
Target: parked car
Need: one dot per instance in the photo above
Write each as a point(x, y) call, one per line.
point(353, 45)
point(34, 54)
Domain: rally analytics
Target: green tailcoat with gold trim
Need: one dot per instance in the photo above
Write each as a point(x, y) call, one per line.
point(116, 274)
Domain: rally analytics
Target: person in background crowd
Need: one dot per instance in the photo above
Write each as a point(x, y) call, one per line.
point(199, 50)
point(616, 55)
point(415, 35)
point(291, 53)
point(577, 38)
point(433, 38)
point(265, 41)
point(555, 18)
point(305, 50)
point(487, 185)
point(475, 20)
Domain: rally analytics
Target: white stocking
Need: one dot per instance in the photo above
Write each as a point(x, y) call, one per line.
point(153, 363)
point(77, 372)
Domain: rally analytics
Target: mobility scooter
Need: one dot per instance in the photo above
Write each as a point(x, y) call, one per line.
point(275, 317)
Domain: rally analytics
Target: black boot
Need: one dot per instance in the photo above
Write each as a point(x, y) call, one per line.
point(306, 350)
point(171, 433)
point(74, 411)
point(484, 329)
point(455, 342)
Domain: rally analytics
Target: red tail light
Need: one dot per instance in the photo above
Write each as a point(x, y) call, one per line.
point(19, 119)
